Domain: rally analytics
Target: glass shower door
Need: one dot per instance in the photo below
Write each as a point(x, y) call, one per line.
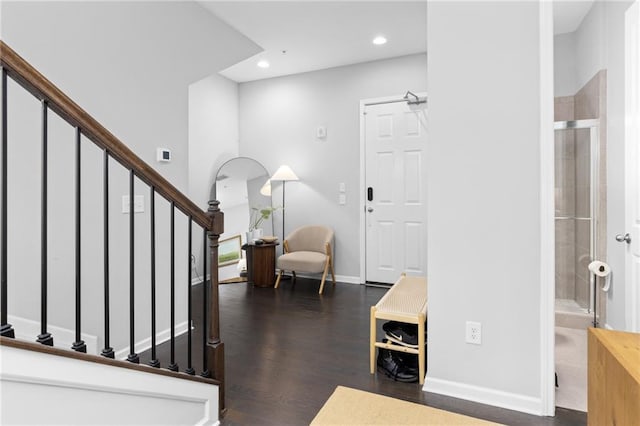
point(576, 183)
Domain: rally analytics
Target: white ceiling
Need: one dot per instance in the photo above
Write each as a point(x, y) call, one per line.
point(323, 34)
point(568, 14)
point(320, 34)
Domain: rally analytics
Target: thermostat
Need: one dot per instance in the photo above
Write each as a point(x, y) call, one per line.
point(164, 155)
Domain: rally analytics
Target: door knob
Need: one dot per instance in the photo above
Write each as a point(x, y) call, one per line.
point(369, 209)
point(624, 238)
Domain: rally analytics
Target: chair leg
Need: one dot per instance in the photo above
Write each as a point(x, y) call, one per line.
point(278, 279)
point(333, 275)
point(294, 274)
point(324, 277)
point(324, 274)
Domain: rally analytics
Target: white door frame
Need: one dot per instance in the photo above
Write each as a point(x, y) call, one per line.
point(547, 223)
point(363, 220)
point(632, 148)
point(547, 232)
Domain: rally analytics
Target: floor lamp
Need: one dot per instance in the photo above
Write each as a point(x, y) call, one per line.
point(284, 174)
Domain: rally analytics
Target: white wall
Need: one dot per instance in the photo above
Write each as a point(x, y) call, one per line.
point(484, 201)
point(68, 391)
point(129, 64)
point(590, 44)
point(213, 139)
point(278, 121)
point(564, 60)
point(600, 45)
point(213, 132)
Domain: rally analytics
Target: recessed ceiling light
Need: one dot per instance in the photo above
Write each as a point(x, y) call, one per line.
point(263, 64)
point(379, 40)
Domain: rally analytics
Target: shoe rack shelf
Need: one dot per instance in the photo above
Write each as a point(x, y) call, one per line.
point(406, 301)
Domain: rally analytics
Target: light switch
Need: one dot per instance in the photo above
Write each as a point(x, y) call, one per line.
point(342, 199)
point(342, 187)
point(138, 204)
point(321, 132)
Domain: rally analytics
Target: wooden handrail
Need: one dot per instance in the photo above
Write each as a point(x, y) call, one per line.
point(212, 220)
point(21, 71)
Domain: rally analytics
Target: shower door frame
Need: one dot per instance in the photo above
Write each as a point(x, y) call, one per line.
point(594, 200)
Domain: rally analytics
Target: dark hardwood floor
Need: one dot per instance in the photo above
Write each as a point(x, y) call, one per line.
point(288, 348)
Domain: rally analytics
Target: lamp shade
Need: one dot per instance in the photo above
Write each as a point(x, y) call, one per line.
point(266, 188)
point(284, 173)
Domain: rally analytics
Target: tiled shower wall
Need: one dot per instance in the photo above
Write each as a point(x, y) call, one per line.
point(572, 175)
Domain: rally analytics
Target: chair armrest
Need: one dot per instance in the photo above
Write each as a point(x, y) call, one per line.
point(327, 248)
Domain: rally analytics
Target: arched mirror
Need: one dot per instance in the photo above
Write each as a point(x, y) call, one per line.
point(244, 192)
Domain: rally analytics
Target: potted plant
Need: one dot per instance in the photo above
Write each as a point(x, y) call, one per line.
point(257, 216)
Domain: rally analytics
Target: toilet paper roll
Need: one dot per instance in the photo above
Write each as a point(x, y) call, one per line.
point(603, 270)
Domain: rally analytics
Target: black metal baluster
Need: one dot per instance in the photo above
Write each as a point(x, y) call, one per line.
point(107, 351)
point(152, 206)
point(6, 329)
point(173, 366)
point(79, 344)
point(189, 369)
point(133, 356)
point(205, 300)
point(44, 337)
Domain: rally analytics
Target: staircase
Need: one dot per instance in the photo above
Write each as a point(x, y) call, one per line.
point(23, 358)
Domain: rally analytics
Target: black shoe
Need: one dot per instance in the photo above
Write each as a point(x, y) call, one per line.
point(397, 339)
point(402, 333)
point(389, 364)
point(410, 361)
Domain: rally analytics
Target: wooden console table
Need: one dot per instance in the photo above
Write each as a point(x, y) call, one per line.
point(261, 264)
point(614, 378)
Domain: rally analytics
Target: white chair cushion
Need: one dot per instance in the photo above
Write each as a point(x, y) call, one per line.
point(305, 261)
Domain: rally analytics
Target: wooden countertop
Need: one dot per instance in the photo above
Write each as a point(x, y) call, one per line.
point(624, 346)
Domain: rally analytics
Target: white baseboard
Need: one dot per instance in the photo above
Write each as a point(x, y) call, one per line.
point(145, 344)
point(608, 327)
point(488, 396)
point(26, 329)
point(347, 279)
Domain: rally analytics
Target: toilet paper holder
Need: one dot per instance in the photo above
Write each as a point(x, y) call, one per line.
point(603, 270)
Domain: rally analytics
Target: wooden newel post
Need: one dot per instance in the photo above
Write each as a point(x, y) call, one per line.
point(215, 347)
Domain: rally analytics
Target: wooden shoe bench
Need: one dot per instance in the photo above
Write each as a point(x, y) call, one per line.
point(406, 301)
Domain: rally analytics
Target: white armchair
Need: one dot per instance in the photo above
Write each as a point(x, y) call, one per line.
point(308, 249)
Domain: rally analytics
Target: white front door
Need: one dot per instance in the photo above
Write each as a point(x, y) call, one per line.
point(631, 235)
point(395, 199)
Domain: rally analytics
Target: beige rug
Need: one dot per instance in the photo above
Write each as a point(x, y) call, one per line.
point(355, 407)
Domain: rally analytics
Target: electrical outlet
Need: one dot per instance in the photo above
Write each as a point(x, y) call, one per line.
point(474, 333)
